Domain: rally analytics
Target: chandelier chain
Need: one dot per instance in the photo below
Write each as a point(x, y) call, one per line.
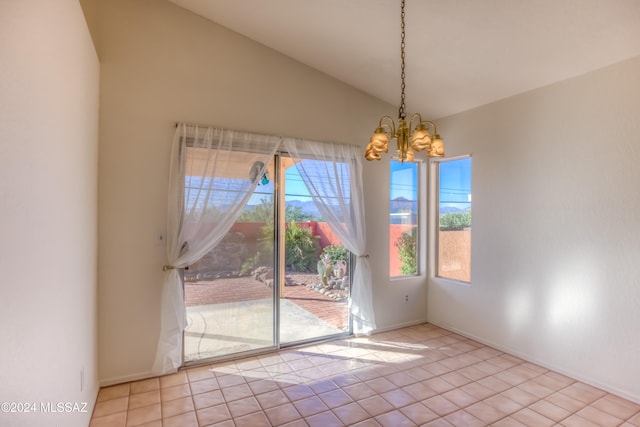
point(401, 112)
point(411, 135)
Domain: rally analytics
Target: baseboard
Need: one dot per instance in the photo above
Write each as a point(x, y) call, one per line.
point(567, 372)
point(399, 326)
point(126, 378)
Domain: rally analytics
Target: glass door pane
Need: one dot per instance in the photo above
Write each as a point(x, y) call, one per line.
point(314, 290)
point(229, 293)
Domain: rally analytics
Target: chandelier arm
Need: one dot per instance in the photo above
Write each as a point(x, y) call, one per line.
point(429, 122)
point(415, 116)
point(390, 125)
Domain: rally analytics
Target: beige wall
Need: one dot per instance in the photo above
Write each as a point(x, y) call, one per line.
point(49, 81)
point(555, 274)
point(161, 64)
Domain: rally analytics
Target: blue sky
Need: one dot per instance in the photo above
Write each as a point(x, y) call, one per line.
point(295, 188)
point(404, 177)
point(455, 183)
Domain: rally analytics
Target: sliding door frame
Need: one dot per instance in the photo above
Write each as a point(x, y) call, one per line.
point(279, 195)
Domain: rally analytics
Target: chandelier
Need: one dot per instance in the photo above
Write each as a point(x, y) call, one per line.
point(387, 129)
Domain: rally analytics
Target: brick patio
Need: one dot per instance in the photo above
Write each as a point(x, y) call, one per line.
point(235, 289)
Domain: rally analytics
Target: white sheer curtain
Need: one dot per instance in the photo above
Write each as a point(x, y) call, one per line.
point(213, 172)
point(333, 175)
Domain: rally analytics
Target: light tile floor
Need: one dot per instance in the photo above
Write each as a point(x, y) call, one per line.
point(420, 375)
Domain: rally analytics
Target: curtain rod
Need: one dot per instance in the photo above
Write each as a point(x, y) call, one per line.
point(195, 124)
point(258, 133)
point(232, 130)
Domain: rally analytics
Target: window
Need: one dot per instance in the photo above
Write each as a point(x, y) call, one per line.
point(454, 231)
point(403, 219)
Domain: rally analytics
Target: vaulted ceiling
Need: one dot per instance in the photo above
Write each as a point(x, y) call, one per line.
point(460, 54)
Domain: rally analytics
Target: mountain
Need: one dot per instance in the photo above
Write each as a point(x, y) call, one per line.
point(397, 205)
point(401, 204)
point(307, 207)
point(453, 209)
point(449, 209)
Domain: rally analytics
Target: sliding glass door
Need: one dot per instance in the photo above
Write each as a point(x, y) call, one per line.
point(279, 277)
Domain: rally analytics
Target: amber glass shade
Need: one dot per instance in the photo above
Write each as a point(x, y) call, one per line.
point(420, 140)
point(378, 144)
point(410, 157)
point(437, 147)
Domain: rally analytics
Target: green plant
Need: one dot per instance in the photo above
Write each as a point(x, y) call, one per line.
point(335, 253)
point(332, 257)
point(295, 213)
point(250, 264)
point(455, 221)
point(264, 253)
point(301, 248)
point(259, 213)
point(406, 245)
point(324, 270)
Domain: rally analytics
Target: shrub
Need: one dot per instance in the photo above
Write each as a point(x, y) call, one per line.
point(455, 221)
point(250, 264)
point(335, 253)
point(301, 248)
point(264, 254)
point(406, 245)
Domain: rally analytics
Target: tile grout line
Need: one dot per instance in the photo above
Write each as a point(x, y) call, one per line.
point(328, 374)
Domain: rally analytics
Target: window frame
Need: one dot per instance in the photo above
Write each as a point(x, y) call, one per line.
point(435, 198)
point(421, 247)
